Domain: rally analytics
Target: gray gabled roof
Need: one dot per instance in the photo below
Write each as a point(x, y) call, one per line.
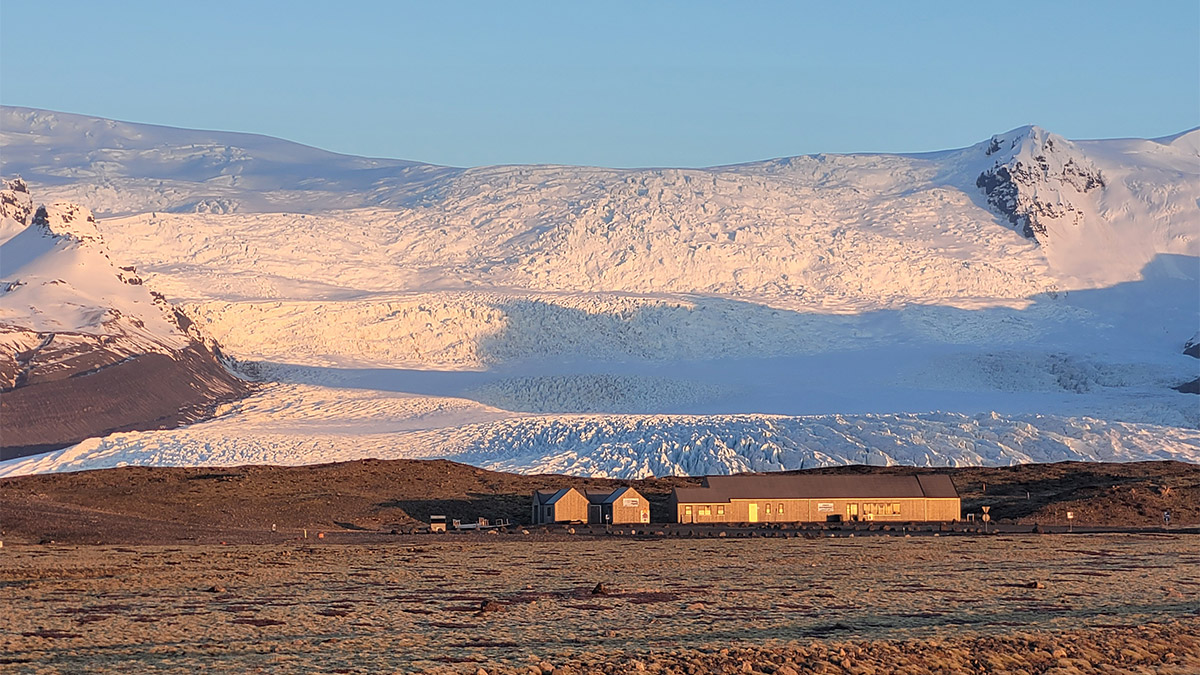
point(545, 497)
point(815, 486)
point(620, 493)
point(597, 496)
point(938, 486)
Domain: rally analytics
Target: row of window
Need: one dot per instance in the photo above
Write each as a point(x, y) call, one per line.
point(876, 509)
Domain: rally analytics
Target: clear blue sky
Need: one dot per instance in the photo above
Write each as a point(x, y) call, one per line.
point(612, 83)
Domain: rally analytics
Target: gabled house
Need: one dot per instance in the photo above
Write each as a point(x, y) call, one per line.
point(623, 505)
point(618, 507)
point(563, 506)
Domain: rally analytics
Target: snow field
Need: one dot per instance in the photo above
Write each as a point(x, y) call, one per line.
point(605, 393)
point(472, 330)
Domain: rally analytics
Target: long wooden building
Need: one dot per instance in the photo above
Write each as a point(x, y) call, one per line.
point(798, 498)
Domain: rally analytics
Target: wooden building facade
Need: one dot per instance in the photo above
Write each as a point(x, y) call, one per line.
point(563, 506)
point(800, 498)
point(623, 505)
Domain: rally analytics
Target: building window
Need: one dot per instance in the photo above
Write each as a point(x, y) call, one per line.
point(781, 508)
point(768, 509)
point(891, 509)
point(704, 511)
point(687, 510)
point(720, 510)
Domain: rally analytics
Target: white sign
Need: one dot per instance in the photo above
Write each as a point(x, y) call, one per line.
point(631, 502)
point(825, 507)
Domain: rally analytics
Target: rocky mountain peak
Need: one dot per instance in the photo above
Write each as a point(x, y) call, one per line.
point(1038, 180)
point(69, 221)
point(15, 201)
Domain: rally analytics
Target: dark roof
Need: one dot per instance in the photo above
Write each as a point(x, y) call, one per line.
point(543, 497)
point(596, 496)
point(620, 493)
point(813, 486)
point(937, 486)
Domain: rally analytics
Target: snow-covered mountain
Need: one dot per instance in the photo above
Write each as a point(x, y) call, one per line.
point(78, 333)
point(1108, 205)
point(118, 167)
point(58, 280)
point(546, 317)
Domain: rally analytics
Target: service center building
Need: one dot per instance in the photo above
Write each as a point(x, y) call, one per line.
point(800, 498)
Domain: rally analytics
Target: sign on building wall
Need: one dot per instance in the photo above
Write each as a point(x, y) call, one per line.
point(631, 502)
point(824, 507)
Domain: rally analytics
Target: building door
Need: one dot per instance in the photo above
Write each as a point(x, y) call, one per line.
point(753, 512)
point(852, 512)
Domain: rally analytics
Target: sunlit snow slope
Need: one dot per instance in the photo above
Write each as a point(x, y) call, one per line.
point(1024, 299)
point(85, 347)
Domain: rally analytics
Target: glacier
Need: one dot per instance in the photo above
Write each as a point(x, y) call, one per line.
point(1024, 299)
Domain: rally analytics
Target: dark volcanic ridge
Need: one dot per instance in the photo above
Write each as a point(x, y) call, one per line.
point(148, 391)
point(268, 503)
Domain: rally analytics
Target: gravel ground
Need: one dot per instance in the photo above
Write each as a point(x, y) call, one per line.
point(510, 604)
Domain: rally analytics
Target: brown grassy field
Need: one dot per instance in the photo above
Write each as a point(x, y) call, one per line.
point(1111, 603)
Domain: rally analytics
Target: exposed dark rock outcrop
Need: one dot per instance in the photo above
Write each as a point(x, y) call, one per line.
point(15, 201)
point(1192, 387)
point(1036, 180)
point(1192, 347)
point(70, 222)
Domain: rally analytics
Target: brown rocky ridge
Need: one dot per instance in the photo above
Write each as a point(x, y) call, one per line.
point(166, 505)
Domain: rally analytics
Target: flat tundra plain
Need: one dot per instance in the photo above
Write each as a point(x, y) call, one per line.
point(514, 604)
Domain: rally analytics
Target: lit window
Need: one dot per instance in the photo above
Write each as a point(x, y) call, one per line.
point(768, 509)
point(705, 511)
point(720, 510)
point(781, 509)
